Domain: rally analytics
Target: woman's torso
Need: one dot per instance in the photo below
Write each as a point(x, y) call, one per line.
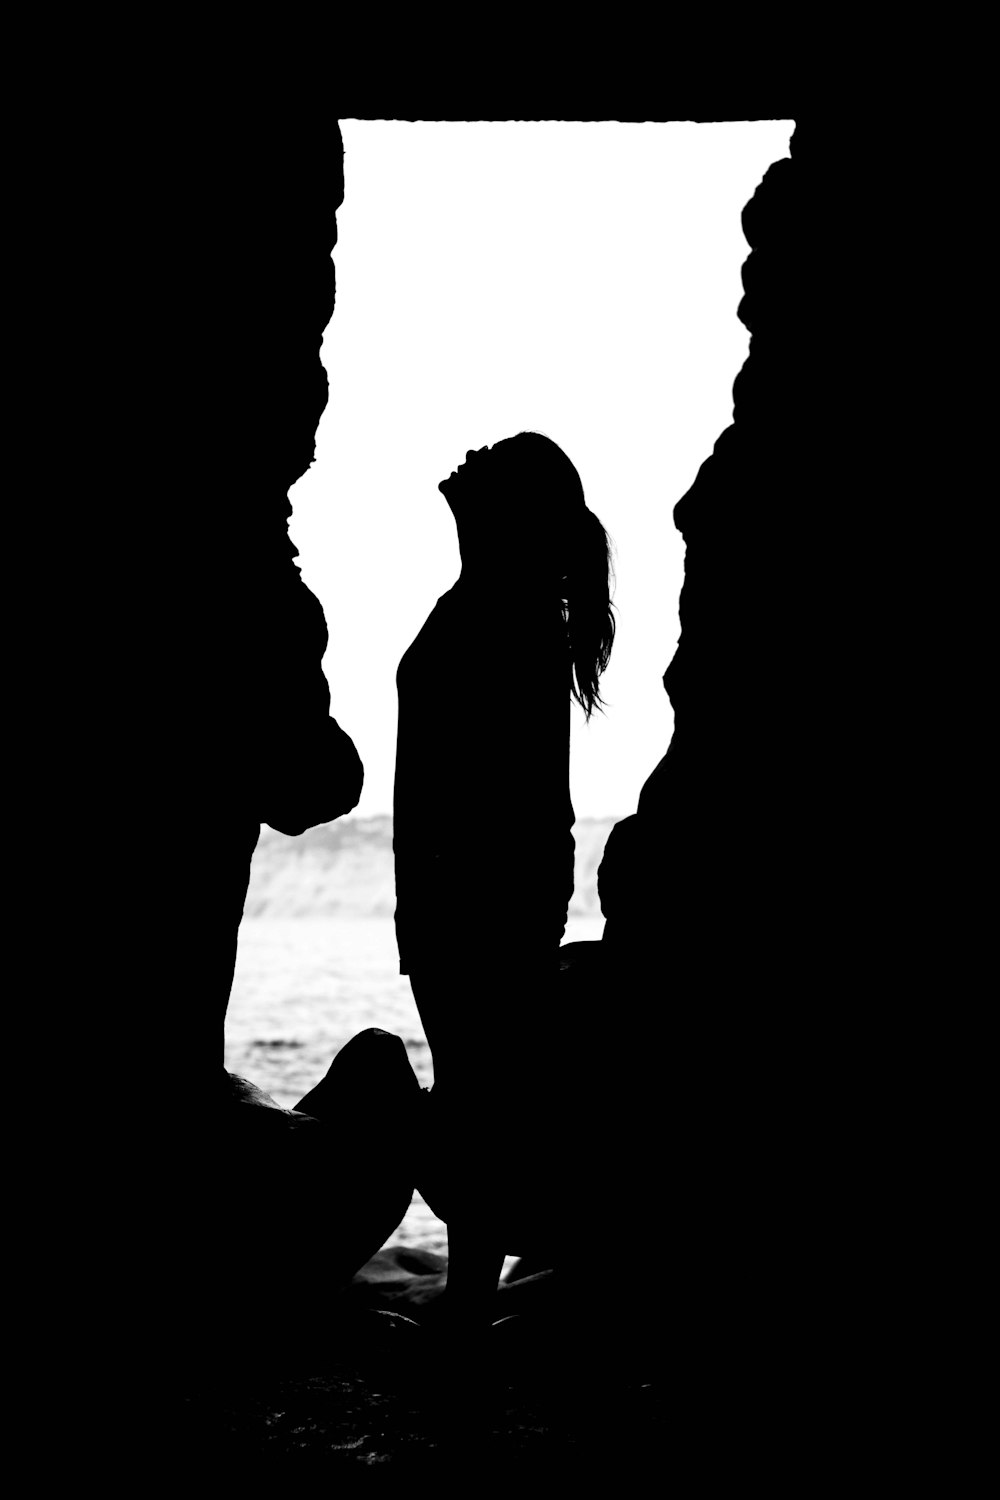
point(482, 817)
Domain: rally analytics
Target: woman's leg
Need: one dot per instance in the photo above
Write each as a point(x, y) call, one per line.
point(463, 1136)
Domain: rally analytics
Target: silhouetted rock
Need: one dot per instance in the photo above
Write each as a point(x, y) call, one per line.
point(283, 1206)
point(222, 719)
point(741, 901)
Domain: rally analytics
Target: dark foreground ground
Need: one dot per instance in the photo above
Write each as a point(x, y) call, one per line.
point(540, 1395)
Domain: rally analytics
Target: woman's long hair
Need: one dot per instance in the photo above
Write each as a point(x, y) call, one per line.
point(573, 537)
point(587, 607)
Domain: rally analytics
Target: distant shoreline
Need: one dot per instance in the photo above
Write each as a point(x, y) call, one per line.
point(384, 820)
point(346, 868)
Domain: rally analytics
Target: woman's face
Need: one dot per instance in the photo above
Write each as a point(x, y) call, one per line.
point(477, 472)
point(525, 479)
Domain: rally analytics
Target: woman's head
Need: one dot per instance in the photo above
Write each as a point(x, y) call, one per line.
point(522, 518)
point(528, 471)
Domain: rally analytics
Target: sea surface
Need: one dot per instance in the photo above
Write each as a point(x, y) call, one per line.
point(305, 985)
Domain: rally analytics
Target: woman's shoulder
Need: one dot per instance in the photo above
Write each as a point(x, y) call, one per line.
point(439, 626)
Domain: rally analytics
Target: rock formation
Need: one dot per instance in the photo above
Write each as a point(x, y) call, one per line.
point(737, 897)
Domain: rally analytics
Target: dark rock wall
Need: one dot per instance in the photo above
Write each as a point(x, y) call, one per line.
point(736, 795)
point(222, 721)
point(238, 700)
point(739, 896)
point(741, 828)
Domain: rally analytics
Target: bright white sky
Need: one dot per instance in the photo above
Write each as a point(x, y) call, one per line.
point(579, 280)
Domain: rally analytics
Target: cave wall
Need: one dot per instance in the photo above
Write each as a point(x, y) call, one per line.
point(236, 698)
point(738, 896)
point(220, 716)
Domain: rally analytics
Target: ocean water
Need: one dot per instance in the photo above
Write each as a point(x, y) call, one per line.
point(304, 985)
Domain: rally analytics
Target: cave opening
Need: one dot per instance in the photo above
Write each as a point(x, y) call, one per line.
point(580, 279)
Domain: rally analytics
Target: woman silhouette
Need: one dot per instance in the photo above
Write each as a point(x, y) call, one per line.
point(482, 830)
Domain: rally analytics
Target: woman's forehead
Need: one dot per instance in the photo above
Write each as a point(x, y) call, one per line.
point(523, 440)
